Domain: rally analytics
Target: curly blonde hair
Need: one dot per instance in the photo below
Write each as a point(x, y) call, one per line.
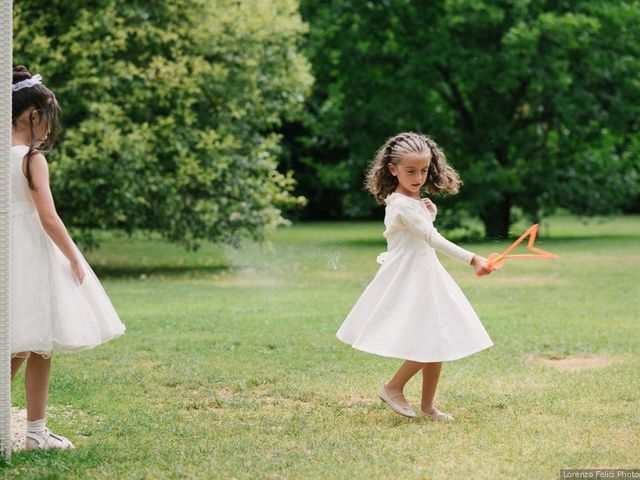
point(441, 177)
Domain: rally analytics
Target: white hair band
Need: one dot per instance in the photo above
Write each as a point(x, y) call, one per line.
point(29, 82)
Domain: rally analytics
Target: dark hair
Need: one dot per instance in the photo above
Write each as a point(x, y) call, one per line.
point(441, 177)
point(45, 103)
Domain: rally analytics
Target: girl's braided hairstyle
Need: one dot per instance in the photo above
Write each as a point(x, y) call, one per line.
point(441, 177)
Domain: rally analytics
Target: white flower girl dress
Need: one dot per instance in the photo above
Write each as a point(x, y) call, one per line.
point(413, 309)
point(50, 310)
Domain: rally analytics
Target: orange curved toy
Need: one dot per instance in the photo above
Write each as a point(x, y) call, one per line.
point(496, 261)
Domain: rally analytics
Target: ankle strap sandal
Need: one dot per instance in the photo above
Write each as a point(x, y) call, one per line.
point(47, 440)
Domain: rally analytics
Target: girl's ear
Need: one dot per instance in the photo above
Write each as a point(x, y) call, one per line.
point(36, 116)
point(393, 169)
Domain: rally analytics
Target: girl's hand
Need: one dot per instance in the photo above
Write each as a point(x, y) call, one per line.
point(431, 207)
point(480, 265)
point(78, 271)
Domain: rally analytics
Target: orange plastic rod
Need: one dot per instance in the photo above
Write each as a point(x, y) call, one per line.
point(496, 261)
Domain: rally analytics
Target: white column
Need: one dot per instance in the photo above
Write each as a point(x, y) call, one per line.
point(6, 68)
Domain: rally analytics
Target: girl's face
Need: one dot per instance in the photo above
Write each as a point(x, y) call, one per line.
point(411, 172)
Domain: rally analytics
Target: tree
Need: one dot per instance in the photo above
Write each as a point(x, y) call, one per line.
point(535, 103)
point(170, 111)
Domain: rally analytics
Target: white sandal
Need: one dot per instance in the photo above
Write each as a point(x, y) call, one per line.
point(48, 441)
point(437, 415)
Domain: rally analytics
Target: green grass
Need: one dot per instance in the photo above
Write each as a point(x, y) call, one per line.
point(230, 367)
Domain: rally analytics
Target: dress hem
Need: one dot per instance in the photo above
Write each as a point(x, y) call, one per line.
point(62, 348)
point(447, 358)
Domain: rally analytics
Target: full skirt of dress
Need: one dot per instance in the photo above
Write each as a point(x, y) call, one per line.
point(50, 310)
point(414, 310)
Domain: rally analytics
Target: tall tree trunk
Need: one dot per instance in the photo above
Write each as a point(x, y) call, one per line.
point(497, 218)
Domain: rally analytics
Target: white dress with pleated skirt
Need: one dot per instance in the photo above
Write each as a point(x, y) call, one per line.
point(413, 309)
point(50, 310)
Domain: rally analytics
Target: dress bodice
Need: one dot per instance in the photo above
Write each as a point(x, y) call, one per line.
point(409, 225)
point(21, 199)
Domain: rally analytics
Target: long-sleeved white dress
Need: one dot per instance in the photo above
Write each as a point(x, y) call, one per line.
point(413, 309)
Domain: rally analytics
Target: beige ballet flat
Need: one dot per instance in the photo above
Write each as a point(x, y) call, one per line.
point(405, 411)
point(437, 415)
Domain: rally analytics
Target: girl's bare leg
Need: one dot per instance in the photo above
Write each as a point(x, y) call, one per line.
point(395, 387)
point(16, 363)
point(430, 377)
point(37, 386)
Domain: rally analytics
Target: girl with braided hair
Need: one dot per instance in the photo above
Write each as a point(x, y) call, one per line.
point(413, 310)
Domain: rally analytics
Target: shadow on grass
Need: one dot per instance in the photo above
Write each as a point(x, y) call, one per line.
point(483, 241)
point(362, 242)
point(137, 271)
point(560, 239)
point(589, 238)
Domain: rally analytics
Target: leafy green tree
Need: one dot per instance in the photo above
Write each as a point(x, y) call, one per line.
point(170, 111)
point(534, 102)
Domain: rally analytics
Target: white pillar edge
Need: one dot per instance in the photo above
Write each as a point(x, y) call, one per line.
point(6, 69)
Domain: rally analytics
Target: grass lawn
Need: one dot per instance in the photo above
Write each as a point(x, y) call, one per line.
point(230, 367)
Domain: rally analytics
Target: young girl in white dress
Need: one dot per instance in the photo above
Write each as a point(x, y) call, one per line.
point(413, 309)
point(57, 303)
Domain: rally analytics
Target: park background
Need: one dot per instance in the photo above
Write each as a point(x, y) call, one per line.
point(195, 132)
